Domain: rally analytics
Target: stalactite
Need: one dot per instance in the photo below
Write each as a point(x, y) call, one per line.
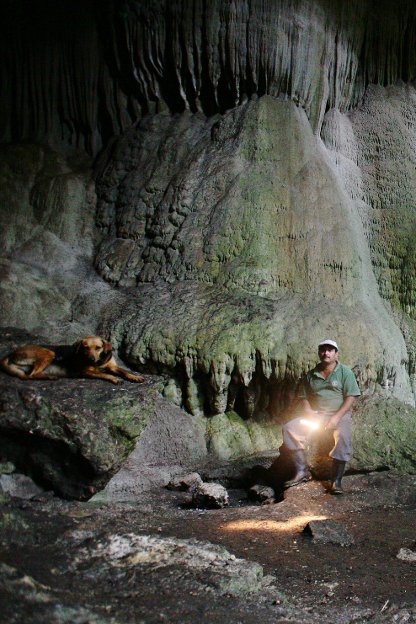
point(84, 71)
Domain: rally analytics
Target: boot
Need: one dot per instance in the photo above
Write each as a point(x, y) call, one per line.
point(338, 469)
point(302, 470)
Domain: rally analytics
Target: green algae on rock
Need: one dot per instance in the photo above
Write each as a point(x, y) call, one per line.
point(384, 435)
point(73, 436)
point(231, 438)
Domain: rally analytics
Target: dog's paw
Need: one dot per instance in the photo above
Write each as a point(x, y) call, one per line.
point(116, 381)
point(137, 379)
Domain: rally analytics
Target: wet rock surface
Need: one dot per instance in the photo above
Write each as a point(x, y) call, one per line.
point(156, 561)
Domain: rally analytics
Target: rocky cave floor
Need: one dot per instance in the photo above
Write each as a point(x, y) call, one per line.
point(60, 561)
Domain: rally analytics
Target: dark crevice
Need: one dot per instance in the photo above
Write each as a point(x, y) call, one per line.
point(208, 98)
point(170, 87)
point(51, 464)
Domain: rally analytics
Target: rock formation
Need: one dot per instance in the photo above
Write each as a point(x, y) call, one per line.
point(215, 187)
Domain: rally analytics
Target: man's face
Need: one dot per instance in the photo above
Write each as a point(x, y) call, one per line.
point(328, 354)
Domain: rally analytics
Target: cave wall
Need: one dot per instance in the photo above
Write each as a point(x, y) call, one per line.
point(214, 186)
point(251, 252)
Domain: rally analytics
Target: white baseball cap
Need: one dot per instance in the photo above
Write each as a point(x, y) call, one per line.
point(332, 343)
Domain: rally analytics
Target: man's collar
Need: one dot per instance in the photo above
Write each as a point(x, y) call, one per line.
point(319, 370)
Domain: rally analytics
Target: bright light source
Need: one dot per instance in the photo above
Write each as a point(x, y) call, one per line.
point(312, 424)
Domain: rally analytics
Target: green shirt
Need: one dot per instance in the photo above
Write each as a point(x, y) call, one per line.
point(327, 395)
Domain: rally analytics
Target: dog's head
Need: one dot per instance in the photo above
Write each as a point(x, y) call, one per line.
point(93, 349)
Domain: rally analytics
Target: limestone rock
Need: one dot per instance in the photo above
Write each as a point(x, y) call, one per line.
point(384, 435)
point(187, 483)
point(46, 239)
point(210, 496)
point(262, 493)
point(172, 442)
point(7, 468)
point(19, 486)
point(406, 554)
point(211, 564)
point(328, 532)
point(73, 435)
point(231, 438)
point(254, 289)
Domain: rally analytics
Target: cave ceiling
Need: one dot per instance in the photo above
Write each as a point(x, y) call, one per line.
point(85, 71)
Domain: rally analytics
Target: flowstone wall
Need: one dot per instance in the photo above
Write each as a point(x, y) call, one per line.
point(254, 251)
point(215, 187)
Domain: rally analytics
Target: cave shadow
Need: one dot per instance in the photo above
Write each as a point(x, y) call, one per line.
point(276, 475)
point(51, 464)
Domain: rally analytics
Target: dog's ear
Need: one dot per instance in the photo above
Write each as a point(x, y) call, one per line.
point(80, 344)
point(107, 346)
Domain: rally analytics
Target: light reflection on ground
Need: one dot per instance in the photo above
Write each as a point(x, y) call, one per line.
point(293, 524)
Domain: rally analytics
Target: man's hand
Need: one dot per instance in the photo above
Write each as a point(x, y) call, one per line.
point(333, 422)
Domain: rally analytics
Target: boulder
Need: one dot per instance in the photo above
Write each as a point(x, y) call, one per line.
point(328, 532)
point(406, 554)
point(19, 486)
point(384, 435)
point(262, 493)
point(73, 435)
point(186, 483)
point(210, 565)
point(210, 496)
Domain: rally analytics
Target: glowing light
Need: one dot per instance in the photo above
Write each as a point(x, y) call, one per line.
point(286, 526)
point(312, 424)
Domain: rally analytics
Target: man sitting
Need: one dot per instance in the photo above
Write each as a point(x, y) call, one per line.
point(328, 392)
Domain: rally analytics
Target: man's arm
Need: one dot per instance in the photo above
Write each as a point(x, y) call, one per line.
point(345, 407)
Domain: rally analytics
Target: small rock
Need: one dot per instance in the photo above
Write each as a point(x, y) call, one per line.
point(185, 483)
point(210, 496)
point(405, 554)
point(77, 537)
point(262, 493)
point(19, 486)
point(328, 532)
point(7, 468)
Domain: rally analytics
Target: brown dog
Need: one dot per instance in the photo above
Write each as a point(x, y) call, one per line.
point(89, 357)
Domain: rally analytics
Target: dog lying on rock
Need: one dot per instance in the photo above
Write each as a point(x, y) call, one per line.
point(89, 357)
